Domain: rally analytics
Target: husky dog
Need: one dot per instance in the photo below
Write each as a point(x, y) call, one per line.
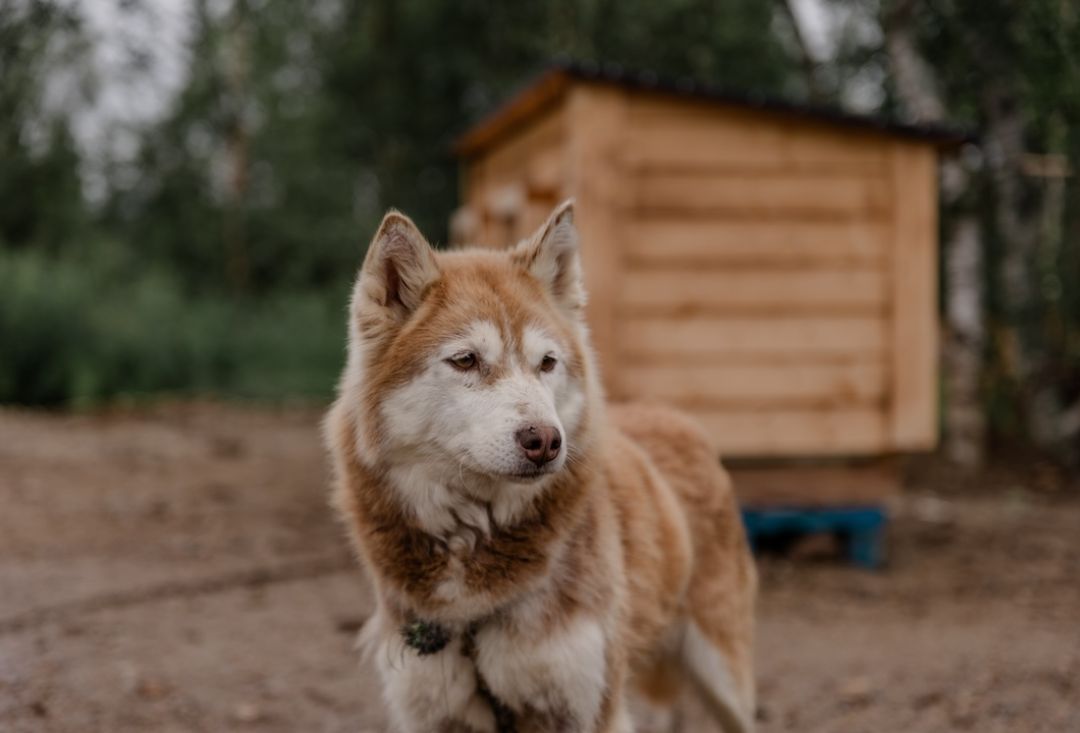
point(541, 561)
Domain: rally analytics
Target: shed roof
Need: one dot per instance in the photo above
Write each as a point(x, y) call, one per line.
point(547, 88)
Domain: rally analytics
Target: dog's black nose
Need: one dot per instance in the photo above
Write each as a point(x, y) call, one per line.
point(540, 443)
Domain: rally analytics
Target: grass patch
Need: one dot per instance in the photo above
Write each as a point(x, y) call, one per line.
point(76, 333)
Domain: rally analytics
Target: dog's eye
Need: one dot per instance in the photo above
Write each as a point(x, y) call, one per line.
point(464, 362)
point(548, 363)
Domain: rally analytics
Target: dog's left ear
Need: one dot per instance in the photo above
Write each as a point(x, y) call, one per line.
point(551, 255)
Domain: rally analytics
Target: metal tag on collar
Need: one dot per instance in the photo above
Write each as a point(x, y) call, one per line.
point(426, 637)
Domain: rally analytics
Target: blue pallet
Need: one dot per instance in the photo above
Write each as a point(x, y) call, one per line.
point(861, 528)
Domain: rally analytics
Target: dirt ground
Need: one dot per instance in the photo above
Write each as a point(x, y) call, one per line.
point(177, 569)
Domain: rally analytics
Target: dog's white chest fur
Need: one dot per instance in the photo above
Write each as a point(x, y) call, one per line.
point(552, 675)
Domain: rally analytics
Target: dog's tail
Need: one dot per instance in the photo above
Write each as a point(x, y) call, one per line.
point(715, 677)
point(718, 635)
point(717, 648)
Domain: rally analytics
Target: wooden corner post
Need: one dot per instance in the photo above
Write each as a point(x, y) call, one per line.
point(596, 125)
point(915, 337)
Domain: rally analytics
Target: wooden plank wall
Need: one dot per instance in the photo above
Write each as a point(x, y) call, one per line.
point(914, 415)
point(597, 122)
point(512, 188)
point(761, 275)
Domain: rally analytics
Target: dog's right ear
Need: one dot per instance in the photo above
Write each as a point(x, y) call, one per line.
point(552, 256)
point(398, 268)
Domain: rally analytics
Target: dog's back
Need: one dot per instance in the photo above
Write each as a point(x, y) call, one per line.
point(693, 538)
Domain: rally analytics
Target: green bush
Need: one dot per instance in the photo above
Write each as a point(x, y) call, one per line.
point(76, 332)
point(45, 334)
point(288, 345)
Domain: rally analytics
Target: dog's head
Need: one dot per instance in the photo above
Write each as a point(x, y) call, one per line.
point(471, 363)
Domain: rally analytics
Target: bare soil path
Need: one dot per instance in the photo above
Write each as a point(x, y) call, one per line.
point(177, 569)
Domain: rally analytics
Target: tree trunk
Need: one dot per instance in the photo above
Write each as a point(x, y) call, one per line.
point(965, 421)
point(1019, 213)
point(915, 83)
point(806, 58)
point(237, 71)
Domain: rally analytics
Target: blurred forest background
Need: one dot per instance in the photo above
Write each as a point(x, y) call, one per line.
point(208, 246)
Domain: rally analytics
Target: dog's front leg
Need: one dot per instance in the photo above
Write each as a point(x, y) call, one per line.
point(557, 679)
point(431, 693)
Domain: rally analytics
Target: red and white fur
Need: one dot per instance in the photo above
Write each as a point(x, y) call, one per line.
point(586, 560)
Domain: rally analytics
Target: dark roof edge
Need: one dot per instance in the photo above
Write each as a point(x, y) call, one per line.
point(537, 93)
point(687, 87)
point(943, 135)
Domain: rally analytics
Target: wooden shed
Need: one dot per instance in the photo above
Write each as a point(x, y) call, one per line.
point(771, 268)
